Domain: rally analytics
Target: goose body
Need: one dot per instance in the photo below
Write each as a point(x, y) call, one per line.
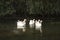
point(38, 25)
point(21, 25)
point(31, 23)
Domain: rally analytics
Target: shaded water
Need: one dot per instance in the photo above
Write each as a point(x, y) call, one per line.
point(51, 31)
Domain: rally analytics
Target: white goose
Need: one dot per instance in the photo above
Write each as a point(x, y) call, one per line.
point(38, 25)
point(21, 25)
point(31, 23)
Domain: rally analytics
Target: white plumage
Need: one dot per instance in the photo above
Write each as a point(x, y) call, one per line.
point(31, 23)
point(38, 25)
point(21, 24)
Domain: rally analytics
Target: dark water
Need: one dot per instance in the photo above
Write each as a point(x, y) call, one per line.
point(51, 31)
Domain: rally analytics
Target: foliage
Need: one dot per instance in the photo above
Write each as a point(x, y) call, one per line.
point(31, 6)
point(43, 6)
point(6, 7)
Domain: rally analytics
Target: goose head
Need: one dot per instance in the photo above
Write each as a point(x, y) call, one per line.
point(41, 21)
point(33, 19)
point(24, 20)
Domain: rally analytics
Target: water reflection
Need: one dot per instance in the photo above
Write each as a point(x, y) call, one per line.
point(31, 23)
point(37, 24)
point(51, 31)
point(21, 24)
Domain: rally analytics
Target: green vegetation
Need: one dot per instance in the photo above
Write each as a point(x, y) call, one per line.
point(6, 7)
point(41, 7)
